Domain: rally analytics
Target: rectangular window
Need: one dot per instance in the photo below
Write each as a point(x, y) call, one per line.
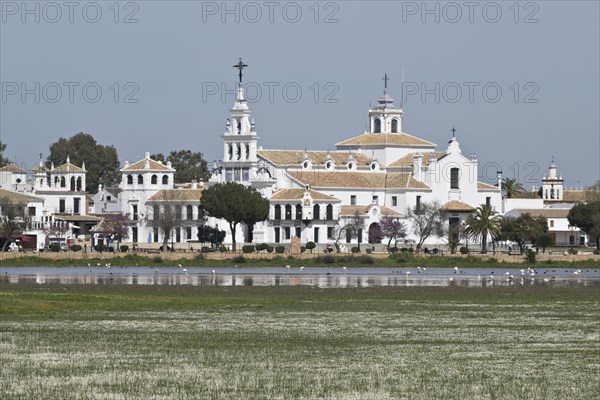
point(108, 198)
point(316, 235)
point(155, 234)
point(178, 235)
point(454, 173)
point(31, 211)
point(353, 200)
point(418, 204)
point(488, 201)
point(135, 212)
point(61, 205)
point(277, 235)
point(287, 232)
point(394, 201)
point(229, 174)
point(245, 174)
point(298, 231)
point(134, 234)
point(188, 233)
point(551, 222)
point(236, 173)
point(330, 232)
point(76, 203)
point(375, 199)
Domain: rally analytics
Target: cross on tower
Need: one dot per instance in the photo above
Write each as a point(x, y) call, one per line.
point(386, 79)
point(453, 131)
point(240, 65)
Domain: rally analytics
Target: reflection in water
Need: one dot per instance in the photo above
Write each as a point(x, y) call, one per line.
point(316, 277)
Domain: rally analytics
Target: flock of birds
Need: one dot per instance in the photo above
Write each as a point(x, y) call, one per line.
point(508, 276)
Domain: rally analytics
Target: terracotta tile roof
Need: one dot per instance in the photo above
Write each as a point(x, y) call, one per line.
point(67, 168)
point(362, 209)
point(526, 195)
point(76, 218)
point(13, 168)
point(457, 206)
point(362, 180)
point(486, 186)
point(176, 195)
point(152, 166)
point(19, 197)
point(318, 158)
point(578, 196)
point(407, 160)
point(37, 168)
point(389, 139)
point(298, 194)
point(541, 212)
point(398, 180)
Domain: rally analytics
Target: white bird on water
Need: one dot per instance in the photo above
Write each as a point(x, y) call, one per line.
point(344, 268)
point(301, 268)
point(214, 272)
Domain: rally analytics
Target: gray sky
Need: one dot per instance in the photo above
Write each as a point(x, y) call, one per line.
point(162, 68)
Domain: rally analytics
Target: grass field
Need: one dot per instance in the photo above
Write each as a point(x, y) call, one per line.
point(103, 342)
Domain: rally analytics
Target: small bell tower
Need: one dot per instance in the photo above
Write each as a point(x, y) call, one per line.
point(385, 117)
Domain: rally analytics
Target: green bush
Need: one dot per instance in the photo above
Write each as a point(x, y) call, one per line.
point(206, 249)
point(124, 248)
point(302, 249)
point(249, 248)
point(355, 250)
point(597, 252)
point(270, 249)
point(279, 249)
point(55, 247)
point(463, 250)
point(573, 251)
point(530, 256)
point(222, 249)
point(261, 247)
point(435, 251)
point(76, 247)
point(310, 246)
point(369, 250)
point(99, 247)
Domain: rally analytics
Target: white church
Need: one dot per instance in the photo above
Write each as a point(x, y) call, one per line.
point(381, 172)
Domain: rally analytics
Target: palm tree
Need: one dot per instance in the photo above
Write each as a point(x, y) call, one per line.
point(511, 187)
point(484, 222)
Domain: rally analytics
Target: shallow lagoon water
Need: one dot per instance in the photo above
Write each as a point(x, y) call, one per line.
point(321, 277)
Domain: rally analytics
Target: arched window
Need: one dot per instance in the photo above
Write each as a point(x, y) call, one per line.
point(454, 173)
point(329, 212)
point(298, 211)
point(129, 180)
point(239, 126)
point(377, 126)
point(394, 125)
point(63, 182)
point(277, 212)
point(351, 165)
point(154, 180)
point(72, 184)
point(79, 184)
point(140, 179)
point(165, 179)
point(288, 211)
point(189, 210)
point(316, 212)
